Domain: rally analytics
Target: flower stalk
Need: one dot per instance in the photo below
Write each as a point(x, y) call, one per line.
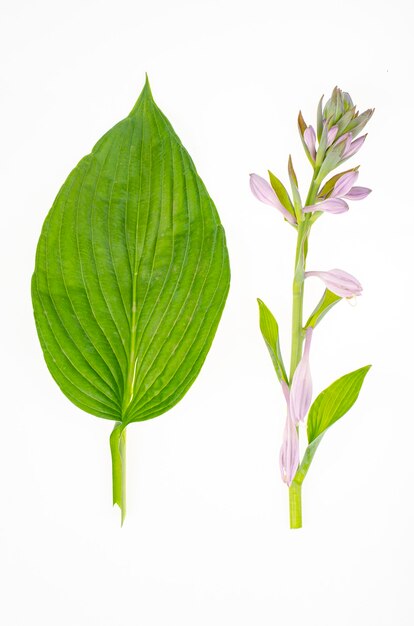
point(298, 333)
point(334, 141)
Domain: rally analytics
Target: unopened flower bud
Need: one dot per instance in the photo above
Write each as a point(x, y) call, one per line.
point(264, 192)
point(301, 388)
point(289, 451)
point(339, 282)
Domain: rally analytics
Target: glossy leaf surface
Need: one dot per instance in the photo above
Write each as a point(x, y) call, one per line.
point(132, 272)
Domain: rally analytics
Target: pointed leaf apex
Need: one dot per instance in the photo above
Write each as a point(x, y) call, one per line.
point(147, 86)
point(146, 94)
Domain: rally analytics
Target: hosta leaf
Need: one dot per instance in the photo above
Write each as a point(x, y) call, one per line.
point(334, 402)
point(270, 332)
point(131, 273)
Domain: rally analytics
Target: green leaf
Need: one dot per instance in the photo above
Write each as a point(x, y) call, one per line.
point(294, 185)
point(326, 303)
point(131, 273)
point(331, 161)
point(319, 117)
point(329, 407)
point(302, 127)
point(334, 402)
point(344, 121)
point(301, 124)
point(282, 193)
point(359, 122)
point(270, 332)
point(323, 143)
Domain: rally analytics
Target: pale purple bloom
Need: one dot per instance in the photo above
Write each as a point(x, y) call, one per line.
point(331, 205)
point(344, 184)
point(339, 282)
point(343, 188)
point(289, 451)
point(309, 137)
point(264, 192)
point(352, 147)
point(332, 133)
point(357, 193)
point(301, 387)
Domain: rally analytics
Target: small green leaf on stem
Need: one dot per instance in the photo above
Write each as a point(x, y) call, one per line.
point(328, 408)
point(282, 194)
point(270, 332)
point(319, 117)
point(328, 300)
point(334, 402)
point(301, 123)
point(295, 186)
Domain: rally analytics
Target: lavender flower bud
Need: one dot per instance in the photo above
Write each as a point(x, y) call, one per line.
point(289, 451)
point(301, 388)
point(263, 191)
point(339, 282)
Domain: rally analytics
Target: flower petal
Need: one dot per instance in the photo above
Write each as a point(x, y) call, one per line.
point(339, 282)
point(289, 451)
point(331, 205)
point(264, 192)
point(332, 133)
point(353, 147)
point(309, 137)
point(357, 193)
point(301, 388)
point(344, 184)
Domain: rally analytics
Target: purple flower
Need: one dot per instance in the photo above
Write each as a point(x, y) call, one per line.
point(343, 188)
point(344, 184)
point(332, 133)
point(332, 205)
point(289, 451)
point(301, 387)
point(352, 147)
point(339, 282)
point(264, 192)
point(357, 193)
point(309, 137)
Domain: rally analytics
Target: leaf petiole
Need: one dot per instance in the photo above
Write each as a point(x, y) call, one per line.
point(118, 452)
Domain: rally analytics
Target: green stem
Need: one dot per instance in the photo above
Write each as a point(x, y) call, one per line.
point(298, 289)
point(118, 452)
point(295, 505)
point(295, 489)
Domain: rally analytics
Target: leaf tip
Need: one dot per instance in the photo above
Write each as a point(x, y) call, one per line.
point(145, 95)
point(147, 86)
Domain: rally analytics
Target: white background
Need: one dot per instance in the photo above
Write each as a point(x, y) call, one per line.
point(206, 539)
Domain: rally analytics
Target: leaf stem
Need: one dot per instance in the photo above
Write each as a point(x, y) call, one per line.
point(118, 452)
